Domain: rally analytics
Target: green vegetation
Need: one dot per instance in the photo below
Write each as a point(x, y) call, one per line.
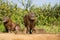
point(47, 17)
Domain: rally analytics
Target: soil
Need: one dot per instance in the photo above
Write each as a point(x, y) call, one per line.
point(12, 36)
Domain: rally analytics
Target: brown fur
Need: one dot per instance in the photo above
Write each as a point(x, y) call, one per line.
point(29, 21)
point(9, 25)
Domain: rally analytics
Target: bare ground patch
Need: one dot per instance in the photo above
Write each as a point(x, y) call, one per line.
point(12, 36)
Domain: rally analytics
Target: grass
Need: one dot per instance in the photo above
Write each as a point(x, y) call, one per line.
point(2, 29)
point(48, 29)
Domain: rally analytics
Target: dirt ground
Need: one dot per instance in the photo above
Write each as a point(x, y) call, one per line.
point(12, 36)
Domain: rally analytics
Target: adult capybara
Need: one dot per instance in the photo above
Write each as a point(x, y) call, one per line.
point(29, 22)
point(9, 25)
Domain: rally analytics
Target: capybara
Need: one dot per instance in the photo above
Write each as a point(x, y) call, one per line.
point(29, 22)
point(9, 25)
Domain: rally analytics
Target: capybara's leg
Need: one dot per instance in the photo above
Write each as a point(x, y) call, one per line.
point(34, 30)
point(9, 30)
point(25, 30)
point(30, 31)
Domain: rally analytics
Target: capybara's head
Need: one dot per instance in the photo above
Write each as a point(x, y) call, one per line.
point(32, 16)
point(5, 19)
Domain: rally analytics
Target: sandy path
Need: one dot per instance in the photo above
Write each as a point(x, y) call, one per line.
point(7, 36)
